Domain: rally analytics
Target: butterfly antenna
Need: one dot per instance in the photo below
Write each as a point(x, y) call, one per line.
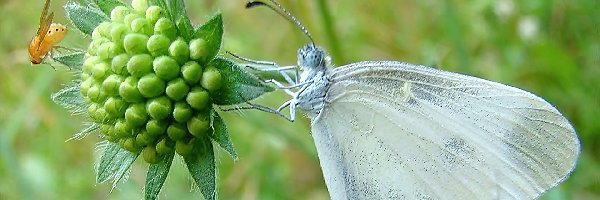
point(284, 13)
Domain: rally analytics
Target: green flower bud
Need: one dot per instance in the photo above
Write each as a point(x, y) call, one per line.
point(112, 136)
point(103, 29)
point(119, 64)
point(158, 45)
point(115, 107)
point(184, 148)
point(159, 108)
point(199, 124)
point(100, 115)
point(111, 84)
point(143, 138)
point(176, 131)
point(198, 98)
point(150, 155)
point(118, 32)
point(86, 85)
point(192, 72)
point(153, 13)
point(85, 76)
point(105, 129)
point(141, 25)
point(100, 70)
point(165, 27)
point(123, 129)
point(151, 86)
point(165, 67)
point(118, 13)
point(135, 43)
point(139, 5)
point(92, 110)
point(89, 63)
point(165, 146)
point(109, 50)
point(136, 115)
point(156, 127)
point(182, 112)
point(211, 79)
point(129, 91)
point(129, 18)
point(95, 94)
point(177, 89)
point(179, 51)
point(130, 145)
point(198, 50)
point(139, 65)
point(95, 44)
point(121, 141)
point(96, 34)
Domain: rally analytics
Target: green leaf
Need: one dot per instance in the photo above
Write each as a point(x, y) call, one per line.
point(238, 85)
point(220, 135)
point(72, 60)
point(176, 8)
point(156, 176)
point(177, 12)
point(114, 163)
point(201, 165)
point(212, 33)
point(159, 3)
point(185, 28)
point(107, 5)
point(85, 132)
point(85, 18)
point(70, 98)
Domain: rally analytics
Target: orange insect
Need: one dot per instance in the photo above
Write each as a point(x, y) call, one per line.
point(48, 35)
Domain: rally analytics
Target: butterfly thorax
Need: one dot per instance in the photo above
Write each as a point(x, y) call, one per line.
point(316, 65)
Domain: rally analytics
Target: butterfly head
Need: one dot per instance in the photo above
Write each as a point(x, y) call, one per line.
point(312, 57)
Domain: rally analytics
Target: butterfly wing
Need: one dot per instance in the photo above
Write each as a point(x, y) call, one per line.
point(392, 130)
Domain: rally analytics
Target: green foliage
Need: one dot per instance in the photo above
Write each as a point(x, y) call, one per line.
point(85, 18)
point(156, 176)
point(220, 135)
point(114, 163)
point(239, 86)
point(70, 98)
point(202, 167)
point(107, 5)
point(72, 60)
point(212, 33)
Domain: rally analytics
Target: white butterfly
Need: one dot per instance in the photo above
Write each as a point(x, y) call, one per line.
point(394, 130)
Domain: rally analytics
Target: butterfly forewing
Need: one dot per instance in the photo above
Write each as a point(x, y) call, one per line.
point(391, 130)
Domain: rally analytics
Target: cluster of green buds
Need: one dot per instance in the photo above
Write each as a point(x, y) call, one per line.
point(147, 87)
point(149, 82)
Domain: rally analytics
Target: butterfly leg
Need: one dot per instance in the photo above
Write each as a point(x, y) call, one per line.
point(259, 107)
point(272, 66)
point(281, 86)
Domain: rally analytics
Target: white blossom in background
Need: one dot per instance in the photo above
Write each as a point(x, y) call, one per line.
point(528, 28)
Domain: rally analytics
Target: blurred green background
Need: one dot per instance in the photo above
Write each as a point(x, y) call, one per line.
point(551, 48)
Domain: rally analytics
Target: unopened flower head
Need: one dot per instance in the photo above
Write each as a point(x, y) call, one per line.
point(147, 86)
